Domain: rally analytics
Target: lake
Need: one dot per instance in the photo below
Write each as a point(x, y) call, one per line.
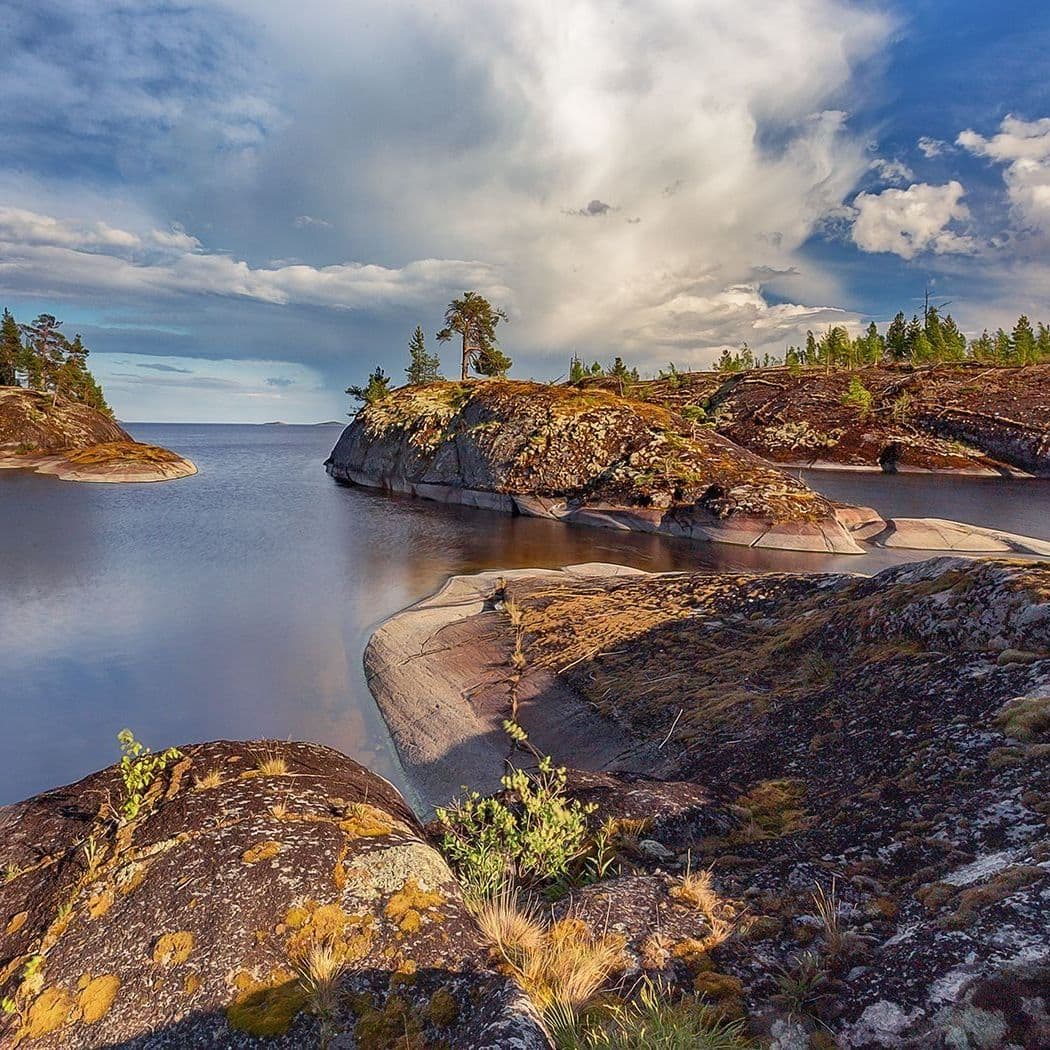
point(237, 603)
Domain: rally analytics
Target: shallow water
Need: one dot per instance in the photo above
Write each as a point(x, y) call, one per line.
point(237, 603)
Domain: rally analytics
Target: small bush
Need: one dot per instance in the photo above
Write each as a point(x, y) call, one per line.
point(859, 397)
point(139, 767)
point(532, 838)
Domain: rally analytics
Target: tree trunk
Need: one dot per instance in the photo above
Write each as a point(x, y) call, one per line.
point(465, 361)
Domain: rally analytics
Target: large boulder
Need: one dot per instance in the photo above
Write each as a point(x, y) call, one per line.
point(265, 894)
point(581, 456)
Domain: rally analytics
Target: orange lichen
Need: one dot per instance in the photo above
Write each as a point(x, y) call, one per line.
point(17, 922)
point(96, 995)
point(261, 851)
point(410, 904)
point(173, 949)
point(49, 1011)
point(348, 935)
point(192, 984)
point(366, 821)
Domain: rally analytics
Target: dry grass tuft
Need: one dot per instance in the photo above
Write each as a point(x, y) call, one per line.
point(827, 905)
point(206, 781)
point(271, 764)
point(320, 974)
point(698, 891)
point(560, 966)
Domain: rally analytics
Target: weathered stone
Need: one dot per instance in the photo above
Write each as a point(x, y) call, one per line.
point(194, 924)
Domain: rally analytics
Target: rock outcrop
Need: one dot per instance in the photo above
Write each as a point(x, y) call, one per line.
point(968, 418)
point(582, 456)
point(77, 443)
point(882, 744)
point(265, 894)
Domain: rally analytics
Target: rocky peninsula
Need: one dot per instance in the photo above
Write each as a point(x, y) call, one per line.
point(76, 442)
point(882, 744)
point(967, 418)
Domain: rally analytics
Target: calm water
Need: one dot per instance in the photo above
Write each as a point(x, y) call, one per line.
point(237, 603)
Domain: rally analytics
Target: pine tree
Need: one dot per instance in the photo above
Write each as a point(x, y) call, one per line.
point(1042, 342)
point(982, 348)
point(954, 340)
point(911, 336)
point(1022, 341)
point(423, 367)
point(44, 353)
point(934, 333)
point(475, 319)
point(812, 356)
point(1003, 349)
point(897, 338)
point(377, 388)
point(577, 372)
point(10, 349)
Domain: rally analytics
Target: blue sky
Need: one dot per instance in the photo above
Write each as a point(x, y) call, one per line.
point(244, 205)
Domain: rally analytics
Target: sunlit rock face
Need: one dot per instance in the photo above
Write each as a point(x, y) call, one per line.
point(252, 872)
point(585, 457)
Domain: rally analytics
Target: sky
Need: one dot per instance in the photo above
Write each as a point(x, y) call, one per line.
point(244, 206)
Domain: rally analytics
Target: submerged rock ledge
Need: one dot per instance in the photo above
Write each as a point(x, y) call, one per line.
point(888, 737)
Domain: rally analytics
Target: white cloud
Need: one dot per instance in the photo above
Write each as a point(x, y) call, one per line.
point(931, 148)
point(892, 171)
point(908, 222)
point(44, 255)
point(1024, 147)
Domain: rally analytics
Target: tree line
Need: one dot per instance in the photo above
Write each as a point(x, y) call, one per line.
point(933, 339)
point(474, 319)
point(40, 357)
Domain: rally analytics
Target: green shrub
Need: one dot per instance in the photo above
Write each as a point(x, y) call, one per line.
point(139, 767)
point(533, 838)
point(858, 396)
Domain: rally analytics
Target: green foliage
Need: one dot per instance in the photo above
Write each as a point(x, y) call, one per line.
point(621, 373)
point(532, 838)
point(39, 356)
point(475, 319)
point(423, 367)
point(858, 396)
point(139, 767)
point(377, 388)
point(652, 1020)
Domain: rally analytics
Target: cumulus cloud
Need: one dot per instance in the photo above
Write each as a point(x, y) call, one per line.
point(594, 207)
point(908, 222)
point(443, 149)
point(1024, 148)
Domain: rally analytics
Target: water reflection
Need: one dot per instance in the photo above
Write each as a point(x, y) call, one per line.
point(237, 603)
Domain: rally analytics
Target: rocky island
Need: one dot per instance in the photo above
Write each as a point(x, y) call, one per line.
point(77, 442)
point(965, 417)
point(587, 456)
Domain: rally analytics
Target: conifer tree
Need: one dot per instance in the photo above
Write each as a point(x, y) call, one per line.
point(897, 338)
point(10, 349)
point(1022, 341)
point(423, 366)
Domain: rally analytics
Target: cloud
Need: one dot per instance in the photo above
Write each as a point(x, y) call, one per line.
point(595, 207)
point(159, 367)
point(931, 148)
point(909, 222)
point(43, 255)
point(1024, 148)
point(441, 151)
point(279, 381)
point(892, 171)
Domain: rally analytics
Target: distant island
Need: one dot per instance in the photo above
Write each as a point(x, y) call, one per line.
point(54, 418)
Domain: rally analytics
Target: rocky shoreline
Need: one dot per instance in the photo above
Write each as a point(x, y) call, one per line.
point(74, 442)
point(887, 735)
